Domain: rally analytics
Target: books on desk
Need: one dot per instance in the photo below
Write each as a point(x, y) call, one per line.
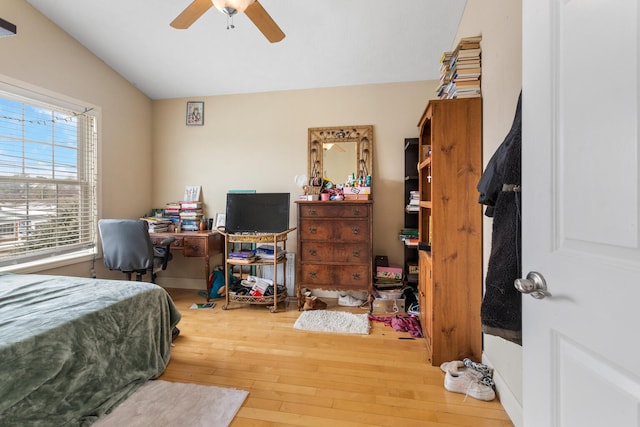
point(157, 224)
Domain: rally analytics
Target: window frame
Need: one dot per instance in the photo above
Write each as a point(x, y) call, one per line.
point(88, 251)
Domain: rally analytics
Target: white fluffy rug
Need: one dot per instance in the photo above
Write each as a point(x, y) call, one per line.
point(333, 321)
point(164, 403)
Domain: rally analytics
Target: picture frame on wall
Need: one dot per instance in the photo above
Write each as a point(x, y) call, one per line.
point(195, 113)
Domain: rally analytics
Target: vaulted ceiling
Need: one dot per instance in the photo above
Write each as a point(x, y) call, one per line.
point(328, 43)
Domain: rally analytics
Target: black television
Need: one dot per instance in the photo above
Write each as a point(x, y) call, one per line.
point(257, 212)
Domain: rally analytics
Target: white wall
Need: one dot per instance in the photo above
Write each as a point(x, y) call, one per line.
point(500, 24)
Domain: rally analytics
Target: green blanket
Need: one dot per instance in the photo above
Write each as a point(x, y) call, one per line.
point(72, 348)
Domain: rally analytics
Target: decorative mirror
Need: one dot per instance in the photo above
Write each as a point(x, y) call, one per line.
point(337, 152)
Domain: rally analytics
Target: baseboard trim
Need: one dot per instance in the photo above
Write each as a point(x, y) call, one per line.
point(181, 283)
point(508, 400)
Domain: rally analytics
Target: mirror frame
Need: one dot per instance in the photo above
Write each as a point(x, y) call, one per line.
point(361, 135)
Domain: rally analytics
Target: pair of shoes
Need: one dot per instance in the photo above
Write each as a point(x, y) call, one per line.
point(349, 301)
point(469, 384)
point(313, 303)
point(479, 370)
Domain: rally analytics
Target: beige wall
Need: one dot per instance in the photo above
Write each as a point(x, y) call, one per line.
point(500, 24)
point(43, 56)
point(259, 141)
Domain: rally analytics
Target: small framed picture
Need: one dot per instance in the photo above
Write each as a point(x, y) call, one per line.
point(221, 219)
point(195, 113)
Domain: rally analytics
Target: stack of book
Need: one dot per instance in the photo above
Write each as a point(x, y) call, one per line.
point(157, 224)
point(243, 257)
point(172, 212)
point(413, 205)
point(409, 236)
point(460, 70)
point(190, 215)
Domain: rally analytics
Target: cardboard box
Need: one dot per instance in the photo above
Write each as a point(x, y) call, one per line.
point(391, 272)
point(388, 305)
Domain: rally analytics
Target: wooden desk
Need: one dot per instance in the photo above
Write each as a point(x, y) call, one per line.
point(194, 244)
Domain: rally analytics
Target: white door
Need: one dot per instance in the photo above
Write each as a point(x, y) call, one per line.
point(581, 195)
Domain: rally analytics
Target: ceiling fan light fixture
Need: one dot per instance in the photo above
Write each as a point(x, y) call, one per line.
point(231, 7)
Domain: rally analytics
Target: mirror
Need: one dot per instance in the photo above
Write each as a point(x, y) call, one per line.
point(337, 152)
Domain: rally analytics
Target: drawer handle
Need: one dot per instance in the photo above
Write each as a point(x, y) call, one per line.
point(356, 276)
point(194, 247)
point(313, 212)
point(312, 274)
point(355, 253)
point(356, 212)
point(312, 230)
point(355, 230)
point(312, 252)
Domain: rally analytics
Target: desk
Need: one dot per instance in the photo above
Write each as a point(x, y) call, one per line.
point(194, 244)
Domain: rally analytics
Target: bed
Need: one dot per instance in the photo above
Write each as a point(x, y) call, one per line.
point(72, 348)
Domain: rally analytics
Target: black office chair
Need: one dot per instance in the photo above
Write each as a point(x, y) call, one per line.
point(126, 246)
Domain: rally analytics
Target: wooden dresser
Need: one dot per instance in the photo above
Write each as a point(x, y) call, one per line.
point(335, 247)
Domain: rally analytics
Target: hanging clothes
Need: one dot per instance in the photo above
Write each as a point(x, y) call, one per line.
point(499, 187)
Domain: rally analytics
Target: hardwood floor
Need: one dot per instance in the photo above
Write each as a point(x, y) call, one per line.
point(298, 378)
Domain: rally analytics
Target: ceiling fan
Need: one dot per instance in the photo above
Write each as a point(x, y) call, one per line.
point(252, 8)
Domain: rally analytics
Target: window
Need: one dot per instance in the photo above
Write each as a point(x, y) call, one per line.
point(48, 189)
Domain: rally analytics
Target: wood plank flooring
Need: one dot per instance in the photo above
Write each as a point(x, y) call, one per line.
point(298, 378)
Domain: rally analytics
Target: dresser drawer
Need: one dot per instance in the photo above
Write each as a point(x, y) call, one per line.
point(341, 277)
point(352, 253)
point(338, 230)
point(333, 211)
point(194, 247)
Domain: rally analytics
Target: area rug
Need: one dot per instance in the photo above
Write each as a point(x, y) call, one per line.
point(164, 403)
point(333, 321)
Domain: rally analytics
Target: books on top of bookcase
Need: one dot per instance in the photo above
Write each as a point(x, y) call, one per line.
point(461, 70)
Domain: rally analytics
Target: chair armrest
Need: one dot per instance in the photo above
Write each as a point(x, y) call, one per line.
point(169, 240)
point(164, 251)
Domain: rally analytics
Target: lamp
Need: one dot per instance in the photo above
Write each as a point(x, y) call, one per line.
point(231, 7)
point(7, 28)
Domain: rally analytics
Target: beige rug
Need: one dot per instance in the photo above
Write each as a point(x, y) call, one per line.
point(341, 322)
point(164, 403)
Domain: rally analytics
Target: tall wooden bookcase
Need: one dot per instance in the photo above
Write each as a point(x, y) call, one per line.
point(450, 229)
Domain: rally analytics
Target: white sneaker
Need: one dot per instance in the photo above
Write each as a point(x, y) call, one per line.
point(349, 301)
point(467, 383)
point(478, 370)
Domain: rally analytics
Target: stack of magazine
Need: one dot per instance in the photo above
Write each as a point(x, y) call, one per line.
point(243, 256)
point(267, 252)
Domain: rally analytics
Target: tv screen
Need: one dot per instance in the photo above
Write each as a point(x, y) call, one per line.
point(257, 212)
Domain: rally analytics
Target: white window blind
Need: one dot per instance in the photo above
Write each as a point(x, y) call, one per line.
point(48, 190)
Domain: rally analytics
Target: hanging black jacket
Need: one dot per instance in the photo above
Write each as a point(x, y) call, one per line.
point(499, 186)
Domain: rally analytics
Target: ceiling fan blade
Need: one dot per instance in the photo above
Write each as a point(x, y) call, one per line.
point(264, 22)
point(191, 14)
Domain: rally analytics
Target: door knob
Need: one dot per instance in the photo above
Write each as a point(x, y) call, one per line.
point(534, 285)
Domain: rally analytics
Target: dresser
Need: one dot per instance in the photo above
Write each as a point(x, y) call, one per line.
point(335, 247)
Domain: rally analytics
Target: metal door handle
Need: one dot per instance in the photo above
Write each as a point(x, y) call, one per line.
point(534, 285)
